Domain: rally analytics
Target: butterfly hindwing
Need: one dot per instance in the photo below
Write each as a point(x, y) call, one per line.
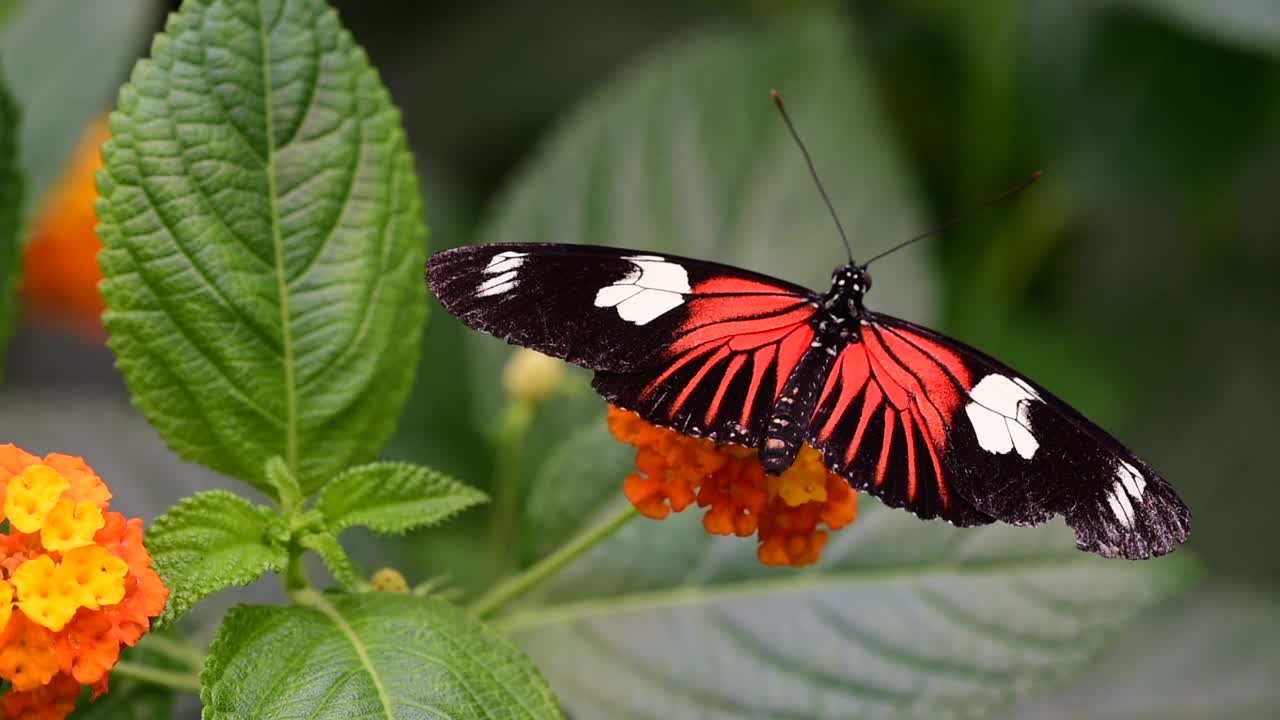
point(1017, 453)
point(883, 420)
point(699, 347)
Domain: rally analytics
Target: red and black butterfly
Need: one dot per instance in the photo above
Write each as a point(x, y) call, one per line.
point(920, 420)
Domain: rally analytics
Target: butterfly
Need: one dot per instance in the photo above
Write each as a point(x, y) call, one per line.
point(918, 419)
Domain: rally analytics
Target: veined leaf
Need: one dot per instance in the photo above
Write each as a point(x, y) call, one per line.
point(901, 618)
point(684, 152)
point(1212, 654)
point(390, 656)
point(263, 241)
point(392, 498)
point(210, 541)
point(11, 204)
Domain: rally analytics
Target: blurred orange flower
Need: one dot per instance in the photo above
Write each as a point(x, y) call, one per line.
point(60, 267)
point(76, 584)
point(784, 511)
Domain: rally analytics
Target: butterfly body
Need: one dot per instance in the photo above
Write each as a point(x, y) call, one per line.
point(920, 420)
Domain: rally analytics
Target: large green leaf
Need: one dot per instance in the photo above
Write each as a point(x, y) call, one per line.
point(901, 618)
point(1252, 24)
point(11, 199)
point(264, 242)
point(65, 73)
point(375, 655)
point(684, 152)
point(1213, 654)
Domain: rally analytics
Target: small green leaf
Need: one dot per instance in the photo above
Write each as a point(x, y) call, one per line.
point(263, 242)
point(335, 558)
point(391, 497)
point(285, 484)
point(61, 92)
point(391, 656)
point(11, 200)
point(210, 541)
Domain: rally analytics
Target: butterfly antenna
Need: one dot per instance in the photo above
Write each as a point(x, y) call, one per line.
point(956, 220)
point(777, 100)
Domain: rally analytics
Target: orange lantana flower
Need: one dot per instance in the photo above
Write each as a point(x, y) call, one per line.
point(76, 584)
point(785, 512)
point(60, 265)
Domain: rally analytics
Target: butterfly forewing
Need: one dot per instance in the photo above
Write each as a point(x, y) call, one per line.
point(695, 346)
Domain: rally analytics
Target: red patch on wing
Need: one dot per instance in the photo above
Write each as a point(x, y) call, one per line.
point(730, 321)
point(922, 374)
point(914, 382)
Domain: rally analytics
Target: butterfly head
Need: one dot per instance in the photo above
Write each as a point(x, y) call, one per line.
point(848, 284)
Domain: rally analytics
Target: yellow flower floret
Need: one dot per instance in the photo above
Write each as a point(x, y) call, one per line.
point(805, 481)
point(31, 495)
point(51, 593)
point(70, 525)
point(100, 573)
point(46, 596)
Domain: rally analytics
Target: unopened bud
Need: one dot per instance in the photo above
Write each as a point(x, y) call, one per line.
point(531, 376)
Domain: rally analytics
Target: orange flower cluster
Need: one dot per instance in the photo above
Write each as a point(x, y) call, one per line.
point(60, 265)
point(784, 511)
point(75, 584)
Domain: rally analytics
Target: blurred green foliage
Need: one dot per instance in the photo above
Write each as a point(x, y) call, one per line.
point(1137, 279)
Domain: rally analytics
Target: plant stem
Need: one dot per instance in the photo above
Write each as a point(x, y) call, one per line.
point(509, 437)
point(295, 577)
point(502, 594)
point(183, 681)
point(174, 649)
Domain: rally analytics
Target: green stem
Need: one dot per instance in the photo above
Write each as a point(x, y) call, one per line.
point(295, 577)
point(174, 649)
point(505, 592)
point(182, 681)
point(509, 438)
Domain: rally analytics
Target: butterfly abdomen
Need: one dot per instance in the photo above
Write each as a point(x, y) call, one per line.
point(789, 422)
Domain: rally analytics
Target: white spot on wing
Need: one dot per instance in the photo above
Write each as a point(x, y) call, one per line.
point(497, 284)
point(1134, 483)
point(652, 288)
point(501, 273)
point(504, 261)
point(1000, 414)
point(1118, 499)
